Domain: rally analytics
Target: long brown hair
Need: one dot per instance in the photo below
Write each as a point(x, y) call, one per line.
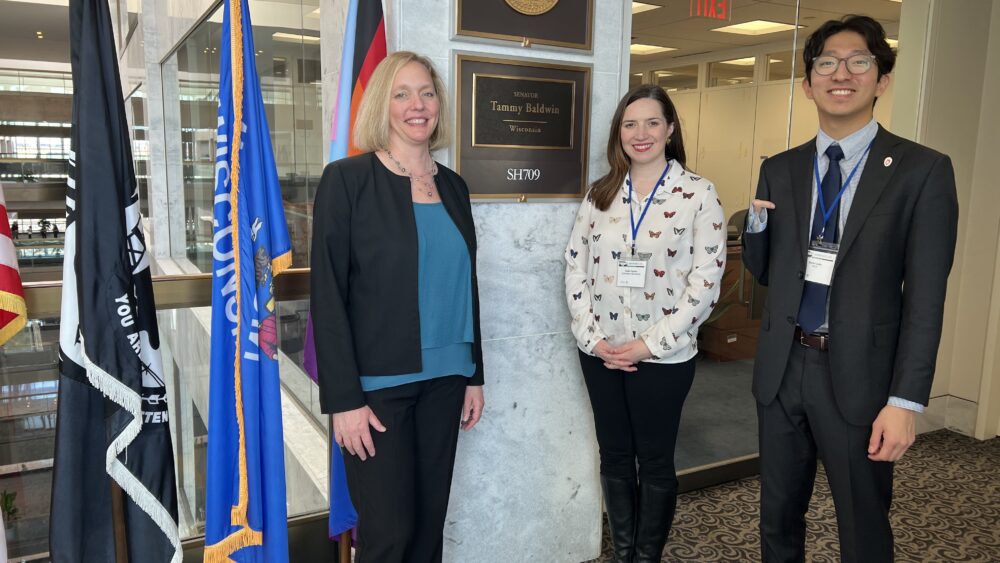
point(604, 190)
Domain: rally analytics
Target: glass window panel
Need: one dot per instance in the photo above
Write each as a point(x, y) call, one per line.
point(135, 110)
point(726, 131)
point(731, 72)
point(29, 364)
point(779, 65)
point(291, 88)
point(677, 78)
point(187, 330)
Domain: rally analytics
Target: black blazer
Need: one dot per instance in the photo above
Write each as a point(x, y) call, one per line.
point(364, 277)
point(889, 280)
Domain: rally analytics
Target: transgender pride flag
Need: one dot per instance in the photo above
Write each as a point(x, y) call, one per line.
point(364, 48)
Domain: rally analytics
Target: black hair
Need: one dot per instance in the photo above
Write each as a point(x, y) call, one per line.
point(871, 30)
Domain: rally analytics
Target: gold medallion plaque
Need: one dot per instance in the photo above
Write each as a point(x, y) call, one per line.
point(532, 7)
point(561, 23)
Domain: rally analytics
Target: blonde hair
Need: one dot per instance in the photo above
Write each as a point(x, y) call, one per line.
point(371, 127)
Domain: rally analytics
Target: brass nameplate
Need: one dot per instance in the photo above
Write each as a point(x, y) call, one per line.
point(520, 112)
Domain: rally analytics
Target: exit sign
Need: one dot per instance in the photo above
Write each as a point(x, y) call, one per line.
point(714, 9)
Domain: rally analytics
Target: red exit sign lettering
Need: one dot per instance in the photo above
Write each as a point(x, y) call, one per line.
point(714, 9)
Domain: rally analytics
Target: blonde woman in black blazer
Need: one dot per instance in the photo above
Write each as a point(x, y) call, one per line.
point(396, 313)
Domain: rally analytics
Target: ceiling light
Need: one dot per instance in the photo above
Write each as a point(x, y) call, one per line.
point(664, 73)
point(748, 61)
point(755, 27)
point(640, 49)
point(900, 1)
point(894, 43)
point(639, 7)
point(295, 38)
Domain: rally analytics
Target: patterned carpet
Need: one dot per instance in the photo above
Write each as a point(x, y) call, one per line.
point(946, 509)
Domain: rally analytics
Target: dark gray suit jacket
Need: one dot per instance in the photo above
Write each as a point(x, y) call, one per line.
point(364, 300)
point(889, 280)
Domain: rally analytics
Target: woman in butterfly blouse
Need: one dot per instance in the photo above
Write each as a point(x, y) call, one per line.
point(396, 314)
point(643, 270)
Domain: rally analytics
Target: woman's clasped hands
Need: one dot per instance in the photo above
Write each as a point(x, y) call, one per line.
point(624, 356)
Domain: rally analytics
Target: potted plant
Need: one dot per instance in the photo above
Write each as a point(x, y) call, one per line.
point(8, 505)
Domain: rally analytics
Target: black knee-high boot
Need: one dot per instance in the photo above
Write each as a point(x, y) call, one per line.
point(656, 514)
point(620, 501)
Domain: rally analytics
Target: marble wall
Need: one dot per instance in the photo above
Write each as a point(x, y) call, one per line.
point(526, 481)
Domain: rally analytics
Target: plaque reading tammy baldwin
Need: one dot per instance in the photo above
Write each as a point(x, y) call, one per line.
point(518, 112)
point(522, 127)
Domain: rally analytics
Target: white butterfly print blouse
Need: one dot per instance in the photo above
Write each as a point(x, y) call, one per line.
point(683, 240)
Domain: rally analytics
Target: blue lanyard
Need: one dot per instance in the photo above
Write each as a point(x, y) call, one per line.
point(652, 194)
point(827, 213)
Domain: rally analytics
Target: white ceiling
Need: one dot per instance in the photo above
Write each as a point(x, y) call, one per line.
point(669, 26)
point(20, 20)
point(672, 26)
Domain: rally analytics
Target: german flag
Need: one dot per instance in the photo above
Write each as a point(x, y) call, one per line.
point(364, 48)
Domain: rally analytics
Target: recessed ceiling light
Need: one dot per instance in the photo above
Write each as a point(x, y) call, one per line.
point(295, 38)
point(639, 7)
point(748, 61)
point(900, 1)
point(641, 49)
point(755, 27)
point(894, 43)
point(664, 73)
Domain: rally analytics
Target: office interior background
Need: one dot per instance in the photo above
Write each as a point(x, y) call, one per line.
point(530, 469)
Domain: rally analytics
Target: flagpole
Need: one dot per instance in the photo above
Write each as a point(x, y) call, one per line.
point(118, 518)
point(344, 547)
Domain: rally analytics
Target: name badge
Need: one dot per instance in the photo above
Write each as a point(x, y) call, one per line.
point(819, 262)
point(631, 273)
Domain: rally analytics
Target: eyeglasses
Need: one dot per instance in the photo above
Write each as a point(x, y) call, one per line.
point(856, 64)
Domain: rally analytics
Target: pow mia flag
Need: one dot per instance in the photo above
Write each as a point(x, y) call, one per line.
point(112, 417)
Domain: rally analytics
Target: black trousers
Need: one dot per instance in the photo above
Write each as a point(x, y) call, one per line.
point(636, 416)
point(401, 494)
point(803, 422)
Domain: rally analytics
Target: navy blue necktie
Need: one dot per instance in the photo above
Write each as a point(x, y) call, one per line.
point(812, 309)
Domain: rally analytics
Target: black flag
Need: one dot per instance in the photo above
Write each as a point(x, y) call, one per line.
point(112, 418)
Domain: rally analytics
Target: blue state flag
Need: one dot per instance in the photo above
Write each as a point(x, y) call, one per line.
point(245, 513)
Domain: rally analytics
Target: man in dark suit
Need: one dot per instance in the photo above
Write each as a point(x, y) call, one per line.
point(854, 233)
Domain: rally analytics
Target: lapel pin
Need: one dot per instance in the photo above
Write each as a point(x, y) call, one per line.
point(888, 161)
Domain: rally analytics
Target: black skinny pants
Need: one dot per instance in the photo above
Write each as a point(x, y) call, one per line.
point(401, 494)
point(636, 416)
